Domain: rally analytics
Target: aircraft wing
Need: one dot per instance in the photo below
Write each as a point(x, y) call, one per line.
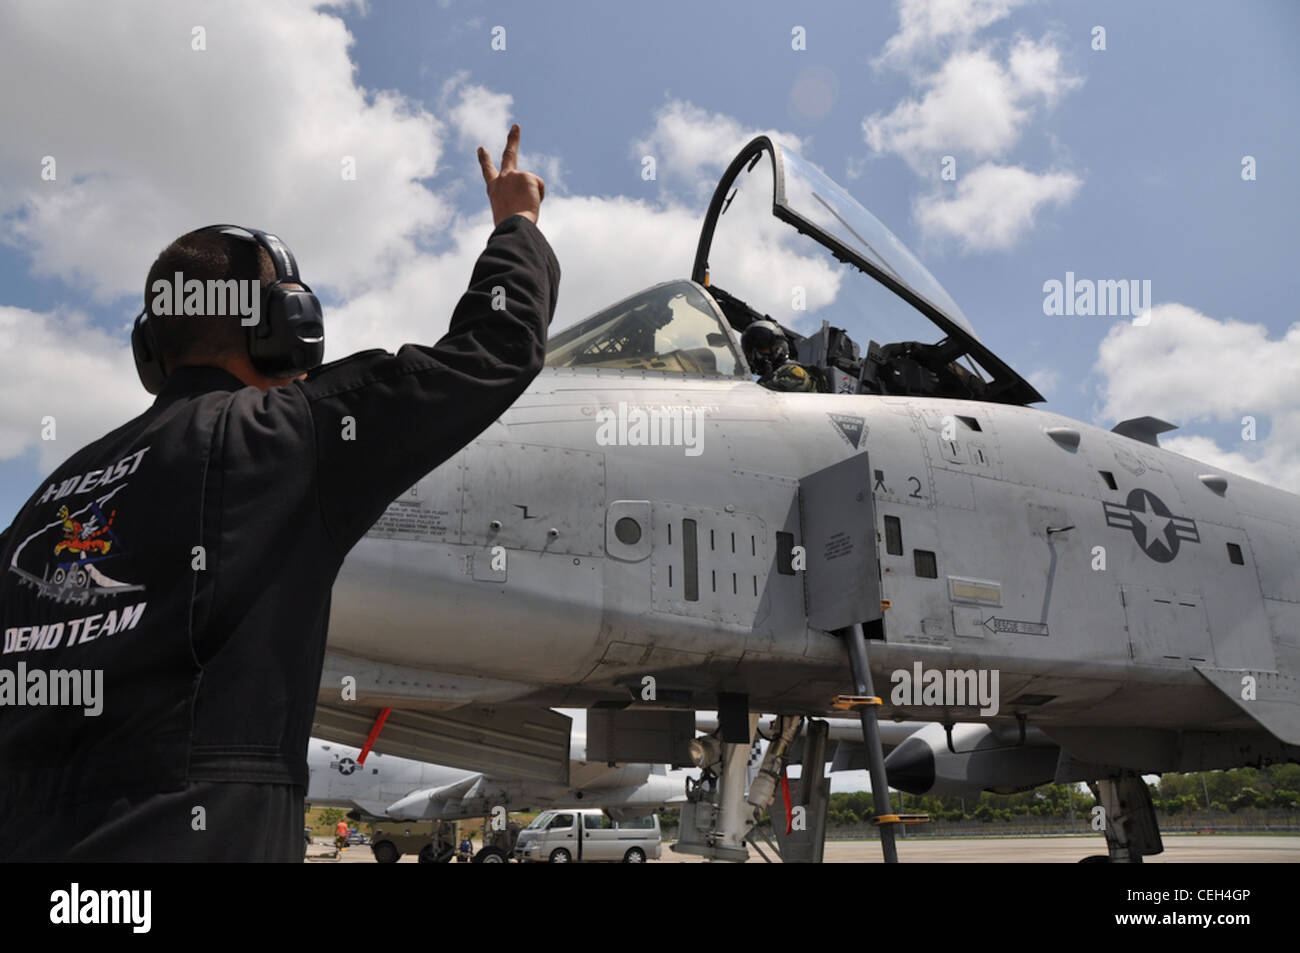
point(527, 743)
point(1273, 700)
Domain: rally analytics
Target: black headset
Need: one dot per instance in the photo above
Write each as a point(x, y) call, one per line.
point(289, 338)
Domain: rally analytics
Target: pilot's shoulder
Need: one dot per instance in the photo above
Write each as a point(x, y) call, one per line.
point(791, 373)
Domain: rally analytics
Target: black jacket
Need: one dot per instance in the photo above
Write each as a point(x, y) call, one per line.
point(211, 656)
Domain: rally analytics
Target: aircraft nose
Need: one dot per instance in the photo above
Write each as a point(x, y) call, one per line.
point(910, 767)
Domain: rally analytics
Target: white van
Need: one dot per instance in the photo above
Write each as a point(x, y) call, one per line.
point(587, 834)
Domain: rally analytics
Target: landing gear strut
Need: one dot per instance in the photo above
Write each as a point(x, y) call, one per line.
point(715, 818)
point(1128, 819)
point(804, 843)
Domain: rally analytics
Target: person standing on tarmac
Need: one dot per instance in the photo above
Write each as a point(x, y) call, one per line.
point(768, 353)
point(178, 569)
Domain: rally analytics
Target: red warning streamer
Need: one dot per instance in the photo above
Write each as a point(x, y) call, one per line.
point(374, 733)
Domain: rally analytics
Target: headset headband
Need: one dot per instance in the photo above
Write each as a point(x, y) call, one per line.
point(286, 267)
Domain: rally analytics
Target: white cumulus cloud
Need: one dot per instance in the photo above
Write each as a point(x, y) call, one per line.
point(993, 206)
point(151, 137)
point(57, 368)
point(926, 24)
point(691, 146)
point(975, 100)
point(1190, 368)
point(973, 107)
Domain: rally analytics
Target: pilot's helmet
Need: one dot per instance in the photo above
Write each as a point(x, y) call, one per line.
point(765, 347)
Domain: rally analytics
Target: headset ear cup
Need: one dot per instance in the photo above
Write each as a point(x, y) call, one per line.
point(148, 359)
point(290, 338)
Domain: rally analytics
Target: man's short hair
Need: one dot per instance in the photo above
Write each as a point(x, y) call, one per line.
point(206, 256)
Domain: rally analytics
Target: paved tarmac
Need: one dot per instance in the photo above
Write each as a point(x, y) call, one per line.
point(1179, 848)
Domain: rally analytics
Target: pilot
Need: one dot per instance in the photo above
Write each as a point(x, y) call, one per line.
point(230, 504)
point(768, 353)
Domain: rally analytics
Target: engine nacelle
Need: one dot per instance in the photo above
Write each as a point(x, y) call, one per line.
point(984, 759)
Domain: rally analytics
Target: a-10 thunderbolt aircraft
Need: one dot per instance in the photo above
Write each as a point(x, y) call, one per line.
point(647, 532)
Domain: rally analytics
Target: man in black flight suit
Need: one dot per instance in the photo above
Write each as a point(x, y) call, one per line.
point(164, 595)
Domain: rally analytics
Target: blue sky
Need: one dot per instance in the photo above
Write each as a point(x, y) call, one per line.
point(1122, 163)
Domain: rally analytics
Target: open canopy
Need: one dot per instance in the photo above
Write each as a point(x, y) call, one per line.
point(949, 362)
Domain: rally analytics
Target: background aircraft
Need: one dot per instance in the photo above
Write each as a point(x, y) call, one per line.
point(387, 786)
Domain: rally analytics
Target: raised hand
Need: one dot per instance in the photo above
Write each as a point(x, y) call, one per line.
point(510, 191)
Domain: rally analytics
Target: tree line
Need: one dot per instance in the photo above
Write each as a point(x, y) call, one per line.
point(1274, 787)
